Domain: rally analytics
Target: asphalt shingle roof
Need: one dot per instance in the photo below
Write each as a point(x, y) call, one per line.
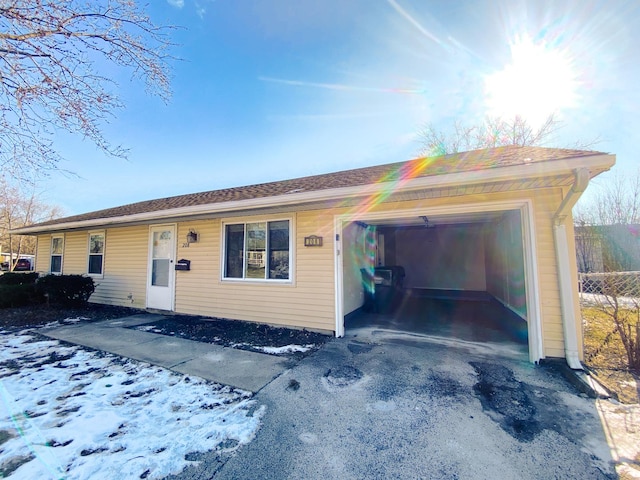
point(417, 168)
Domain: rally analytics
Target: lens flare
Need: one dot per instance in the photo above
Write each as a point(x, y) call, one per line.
point(386, 185)
point(539, 81)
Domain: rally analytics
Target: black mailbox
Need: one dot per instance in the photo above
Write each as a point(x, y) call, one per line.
point(183, 264)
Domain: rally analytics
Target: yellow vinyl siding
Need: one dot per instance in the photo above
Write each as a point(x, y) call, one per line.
point(195, 289)
point(546, 203)
point(125, 267)
point(43, 254)
point(75, 253)
point(308, 301)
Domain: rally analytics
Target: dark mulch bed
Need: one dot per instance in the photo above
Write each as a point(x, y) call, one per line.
point(229, 333)
point(237, 334)
point(39, 315)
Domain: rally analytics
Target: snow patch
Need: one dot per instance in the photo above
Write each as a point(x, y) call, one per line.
point(84, 414)
point(275, 350)
point(595, 299)
point(75, 320)
point(286, 349)
point(148, 328)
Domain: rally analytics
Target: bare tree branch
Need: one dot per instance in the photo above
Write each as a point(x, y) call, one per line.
point(20, 206)
point(50, 53)
point(616, 202)
point(492, 132)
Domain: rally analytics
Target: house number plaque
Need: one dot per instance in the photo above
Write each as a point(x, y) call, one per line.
point(313, 241)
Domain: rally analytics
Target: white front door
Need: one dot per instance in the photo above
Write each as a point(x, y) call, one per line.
point(161, 270)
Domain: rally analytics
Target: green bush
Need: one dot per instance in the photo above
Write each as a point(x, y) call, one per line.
point(66, 290)
point(15, 278)
point(18, 289)
point(18, 296)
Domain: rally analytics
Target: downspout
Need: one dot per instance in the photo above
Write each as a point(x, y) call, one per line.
point(569, 314)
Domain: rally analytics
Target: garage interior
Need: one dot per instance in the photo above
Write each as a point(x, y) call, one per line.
point(464, 276)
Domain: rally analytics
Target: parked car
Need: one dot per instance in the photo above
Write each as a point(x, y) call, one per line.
point(22, 265)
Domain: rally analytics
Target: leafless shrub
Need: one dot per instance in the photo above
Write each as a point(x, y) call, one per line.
point(618, 297)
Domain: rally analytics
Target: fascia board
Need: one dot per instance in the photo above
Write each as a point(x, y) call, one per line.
point(514, 172)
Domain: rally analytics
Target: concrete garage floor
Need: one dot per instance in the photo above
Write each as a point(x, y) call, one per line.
point(470, 317)
point(407, 406)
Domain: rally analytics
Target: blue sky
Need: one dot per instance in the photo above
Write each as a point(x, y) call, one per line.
point(274, 89)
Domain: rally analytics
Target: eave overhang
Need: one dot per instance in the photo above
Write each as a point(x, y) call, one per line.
point(595, 164)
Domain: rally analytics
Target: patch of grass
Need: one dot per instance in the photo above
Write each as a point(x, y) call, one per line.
point(4, 436)
point(11, 465)
point(605, 356)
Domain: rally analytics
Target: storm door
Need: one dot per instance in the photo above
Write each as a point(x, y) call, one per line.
point(161, 274)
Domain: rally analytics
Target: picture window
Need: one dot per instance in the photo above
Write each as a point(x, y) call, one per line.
point(257, 250)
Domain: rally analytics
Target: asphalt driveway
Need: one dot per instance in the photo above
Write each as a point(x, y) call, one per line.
point(381, 405)
point(387, 404)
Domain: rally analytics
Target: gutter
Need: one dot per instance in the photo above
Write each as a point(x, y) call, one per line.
point(577, 189)
point(514, 172)
point(567, 289)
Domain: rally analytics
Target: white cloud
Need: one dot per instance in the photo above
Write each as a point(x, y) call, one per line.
point(176, 3)
point(202, 6)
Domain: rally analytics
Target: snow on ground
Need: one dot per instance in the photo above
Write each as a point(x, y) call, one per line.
point(67, 412)
point(74, 320)
point(596, 299)
point(293, 348)
point(286, 349)
point(148, 328)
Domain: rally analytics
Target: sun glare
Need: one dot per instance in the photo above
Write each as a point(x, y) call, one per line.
point(537, 82)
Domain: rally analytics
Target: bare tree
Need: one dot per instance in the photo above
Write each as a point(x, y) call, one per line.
point(492, 132)
point(611, 216)
point(20, 206)
point(617, 202)
point(617, 296)
point(51, 56)
point(588, 247)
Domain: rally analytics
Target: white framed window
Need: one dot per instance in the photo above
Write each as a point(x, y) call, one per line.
point(57, 252)
point(259, 250)
point(96, 253)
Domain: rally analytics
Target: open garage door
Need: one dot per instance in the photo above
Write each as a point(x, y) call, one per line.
point(449, 272)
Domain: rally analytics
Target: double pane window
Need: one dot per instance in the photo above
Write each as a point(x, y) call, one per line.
point(258, 250)
point(57, 249)
point(96, 253)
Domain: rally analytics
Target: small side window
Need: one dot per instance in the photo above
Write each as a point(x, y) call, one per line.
point(57, 249)
point(96, 253)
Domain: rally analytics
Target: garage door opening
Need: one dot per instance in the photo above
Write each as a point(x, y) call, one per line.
point(460, 275)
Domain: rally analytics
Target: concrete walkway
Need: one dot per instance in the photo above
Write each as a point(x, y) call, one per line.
point(229, 366)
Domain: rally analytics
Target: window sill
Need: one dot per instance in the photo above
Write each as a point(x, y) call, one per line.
point(256, 281)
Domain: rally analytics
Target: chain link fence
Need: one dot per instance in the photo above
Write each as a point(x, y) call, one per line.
point(598, 286)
